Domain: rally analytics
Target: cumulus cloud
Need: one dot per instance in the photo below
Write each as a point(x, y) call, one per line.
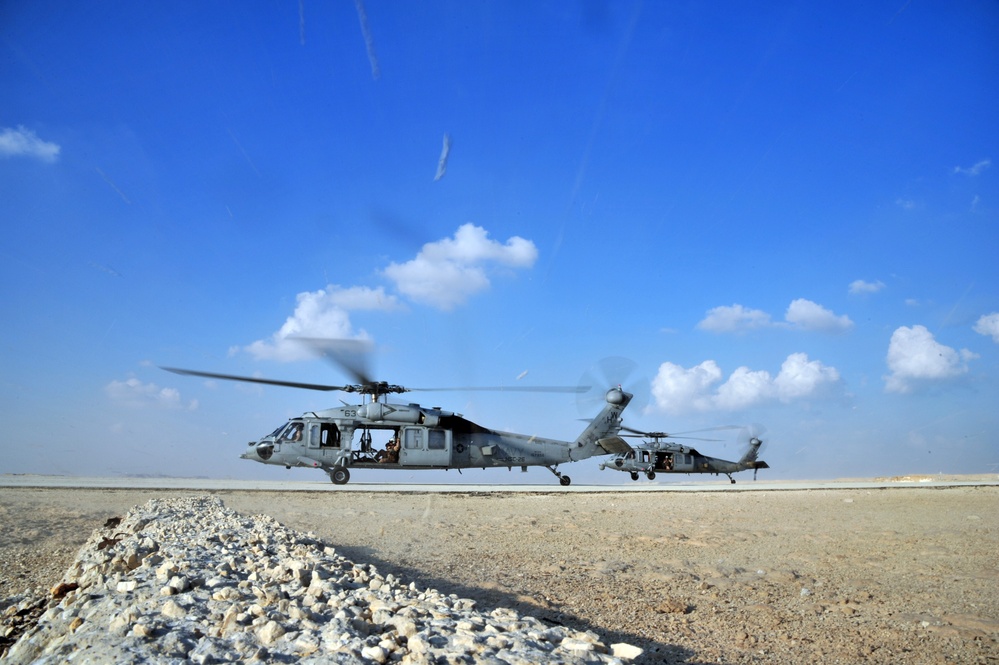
point(324, 313)
point(134, 393)
point(860, 286)
point(801, 314)
point(988, 325)
point(447, 272)
point(24, 142)
point(808, 315)
point(915, 357)
point(677, 390)
point(800, 377)
point(975, 169)
point(734, 319)
point(444, 274)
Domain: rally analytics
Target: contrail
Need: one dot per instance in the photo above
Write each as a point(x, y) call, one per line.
point(113, 186)
point(301, 21)
point(442, 162)
point(369, 41)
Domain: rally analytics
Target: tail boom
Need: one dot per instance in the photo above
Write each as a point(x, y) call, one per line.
point(601, 436)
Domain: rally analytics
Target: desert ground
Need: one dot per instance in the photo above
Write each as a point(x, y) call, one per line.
point(907, 574)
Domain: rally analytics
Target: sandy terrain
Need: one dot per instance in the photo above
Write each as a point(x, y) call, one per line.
point(899, 575)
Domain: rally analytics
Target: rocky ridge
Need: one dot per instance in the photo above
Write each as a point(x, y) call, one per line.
point(189, 580)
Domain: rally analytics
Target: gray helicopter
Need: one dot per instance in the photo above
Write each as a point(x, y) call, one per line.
point(339, 439)
point(657, 455)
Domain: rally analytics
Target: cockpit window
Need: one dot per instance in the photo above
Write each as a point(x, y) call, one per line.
point(293, 432)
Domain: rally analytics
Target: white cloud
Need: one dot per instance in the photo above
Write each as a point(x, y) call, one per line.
point(807, 315)
point(744, 388)
point(974, 170)
point(988, 325)
point(734, 319)
point(134, 393)
point(24, 142)
point(678, 390)
point(447, 272)
point(801, 314)
point(860, 286)
point(324, 313)
point(914, 356)
point(800, 377)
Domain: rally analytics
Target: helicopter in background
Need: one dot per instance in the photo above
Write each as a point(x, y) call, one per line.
point(339, 439)
point(657, 455)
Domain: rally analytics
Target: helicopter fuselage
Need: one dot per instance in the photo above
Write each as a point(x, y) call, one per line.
point(424, 438)
point(680, 459)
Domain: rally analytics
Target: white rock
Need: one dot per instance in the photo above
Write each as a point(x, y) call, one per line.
point(173, 610)
point(625, 651)
point(270, 632)
point(375, 653)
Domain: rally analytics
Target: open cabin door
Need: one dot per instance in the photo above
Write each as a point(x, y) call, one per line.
point(424, 446)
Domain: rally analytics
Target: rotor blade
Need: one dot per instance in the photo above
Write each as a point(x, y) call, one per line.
point(751, 431)
point(664, 435)
point(521, 389)
point(712, 429)
point(251, 379)
point(608, 373)
point(350, 355)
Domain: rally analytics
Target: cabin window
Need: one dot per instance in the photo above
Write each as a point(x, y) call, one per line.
point(414, 439)
point(435, 439)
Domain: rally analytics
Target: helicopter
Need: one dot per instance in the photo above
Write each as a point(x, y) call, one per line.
point(339, 439)
point(660, 456)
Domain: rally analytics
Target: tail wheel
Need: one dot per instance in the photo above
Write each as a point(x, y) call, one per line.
point(564, 481)
point(340, 476)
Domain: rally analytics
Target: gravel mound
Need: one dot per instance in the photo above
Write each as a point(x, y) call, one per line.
point(189, 580)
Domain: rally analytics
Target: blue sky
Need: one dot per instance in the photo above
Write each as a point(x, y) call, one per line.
point(784, 216)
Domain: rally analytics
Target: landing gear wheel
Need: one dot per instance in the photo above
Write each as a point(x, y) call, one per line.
point(651, 475)
point(563, 480)
point(634, 475)
point(339, 476)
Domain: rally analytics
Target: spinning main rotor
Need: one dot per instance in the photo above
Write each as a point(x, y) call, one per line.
point(352, 357)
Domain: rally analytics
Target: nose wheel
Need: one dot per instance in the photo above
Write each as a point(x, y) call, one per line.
point(563, 479)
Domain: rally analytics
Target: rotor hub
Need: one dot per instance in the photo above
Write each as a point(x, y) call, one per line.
point(615, 396)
